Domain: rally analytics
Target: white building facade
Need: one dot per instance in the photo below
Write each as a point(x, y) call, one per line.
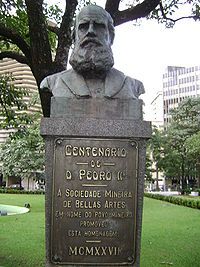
point(157, 110)
point(179, 83)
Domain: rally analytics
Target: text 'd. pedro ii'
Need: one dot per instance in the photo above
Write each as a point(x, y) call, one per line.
point(94, 201)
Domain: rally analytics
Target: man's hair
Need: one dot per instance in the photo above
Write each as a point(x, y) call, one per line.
point(111, 27)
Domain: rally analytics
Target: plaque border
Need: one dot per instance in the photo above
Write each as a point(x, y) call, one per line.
point(132, 258)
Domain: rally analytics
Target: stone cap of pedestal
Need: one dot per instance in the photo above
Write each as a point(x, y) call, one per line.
point(92, 127)
point(99, 108)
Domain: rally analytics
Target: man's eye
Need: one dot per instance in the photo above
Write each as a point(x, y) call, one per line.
point(100, 25)
point(83, 26)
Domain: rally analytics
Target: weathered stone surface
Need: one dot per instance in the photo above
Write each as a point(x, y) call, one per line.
point(86, 128)
point(95, 127)
point(63, 107)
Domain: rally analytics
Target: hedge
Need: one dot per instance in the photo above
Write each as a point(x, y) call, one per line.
point(17, 191)
point(178, 200)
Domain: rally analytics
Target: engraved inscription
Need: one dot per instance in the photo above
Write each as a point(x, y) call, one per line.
point(94, 251)
point(94, 201)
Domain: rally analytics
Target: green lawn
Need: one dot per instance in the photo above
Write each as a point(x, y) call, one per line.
point(22, 236)
point(170, 237)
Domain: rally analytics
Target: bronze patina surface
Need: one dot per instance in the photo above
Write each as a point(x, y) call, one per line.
point(94, 201)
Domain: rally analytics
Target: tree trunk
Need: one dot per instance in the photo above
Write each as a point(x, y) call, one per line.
point(41, 60)
point(157, 177)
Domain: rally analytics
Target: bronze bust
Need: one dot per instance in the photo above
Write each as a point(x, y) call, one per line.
point(92, 73)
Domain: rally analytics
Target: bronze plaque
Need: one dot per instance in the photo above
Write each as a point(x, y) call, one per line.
point(94, 201)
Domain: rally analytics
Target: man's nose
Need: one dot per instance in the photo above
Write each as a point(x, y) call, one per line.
point(91, 30)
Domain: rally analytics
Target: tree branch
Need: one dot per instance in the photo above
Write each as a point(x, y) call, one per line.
point(136, 12)
point(112, 7)
point(10, 54)
point(40, 46)
point(53, 29)
point(195, 17)
point(12, 35)
point(65, 35)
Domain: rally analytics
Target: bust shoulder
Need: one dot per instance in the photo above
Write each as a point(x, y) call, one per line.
point(135, 85)
point(130, 87)
point(50, 81)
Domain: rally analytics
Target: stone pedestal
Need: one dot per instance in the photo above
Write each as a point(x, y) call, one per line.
point(95, 167)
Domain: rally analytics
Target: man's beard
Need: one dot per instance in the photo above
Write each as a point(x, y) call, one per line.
point(91, 58)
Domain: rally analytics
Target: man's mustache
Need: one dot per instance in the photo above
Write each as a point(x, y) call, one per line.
point(88, 40)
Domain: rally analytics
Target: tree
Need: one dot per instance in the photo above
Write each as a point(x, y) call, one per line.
point(178, 162)
point(155, 148)
point(28, 36)
point(192, 145)
point(23, 152)
point(13, 109)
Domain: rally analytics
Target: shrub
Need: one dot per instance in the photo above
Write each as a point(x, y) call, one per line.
point(178, 200)
point(16, 191)
point(186, 191)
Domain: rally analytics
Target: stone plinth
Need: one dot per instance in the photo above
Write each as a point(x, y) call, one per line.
point(95, 167)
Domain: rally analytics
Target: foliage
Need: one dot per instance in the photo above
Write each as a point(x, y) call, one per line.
point(185, 123)
point(15, 191)
point(40, 35)
point(182, 201)
point(169, 12)
point(23, 152)
point(148, 172)
point(13, 109)
point(187, 116)
point(192, 145)
point(154, 155)
point(155, 148)
point(14, 16)
point(176, 149)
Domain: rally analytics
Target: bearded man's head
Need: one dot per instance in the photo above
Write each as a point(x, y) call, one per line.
point(94, 35)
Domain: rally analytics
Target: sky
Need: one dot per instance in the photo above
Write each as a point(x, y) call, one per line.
point(143, 52)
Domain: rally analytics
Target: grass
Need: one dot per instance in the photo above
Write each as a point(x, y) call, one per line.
point(170, 236)
point(22, 236)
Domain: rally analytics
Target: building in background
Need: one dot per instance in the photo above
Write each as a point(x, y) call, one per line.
point(23, 78)
point(157, 110)
point(179, 83)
